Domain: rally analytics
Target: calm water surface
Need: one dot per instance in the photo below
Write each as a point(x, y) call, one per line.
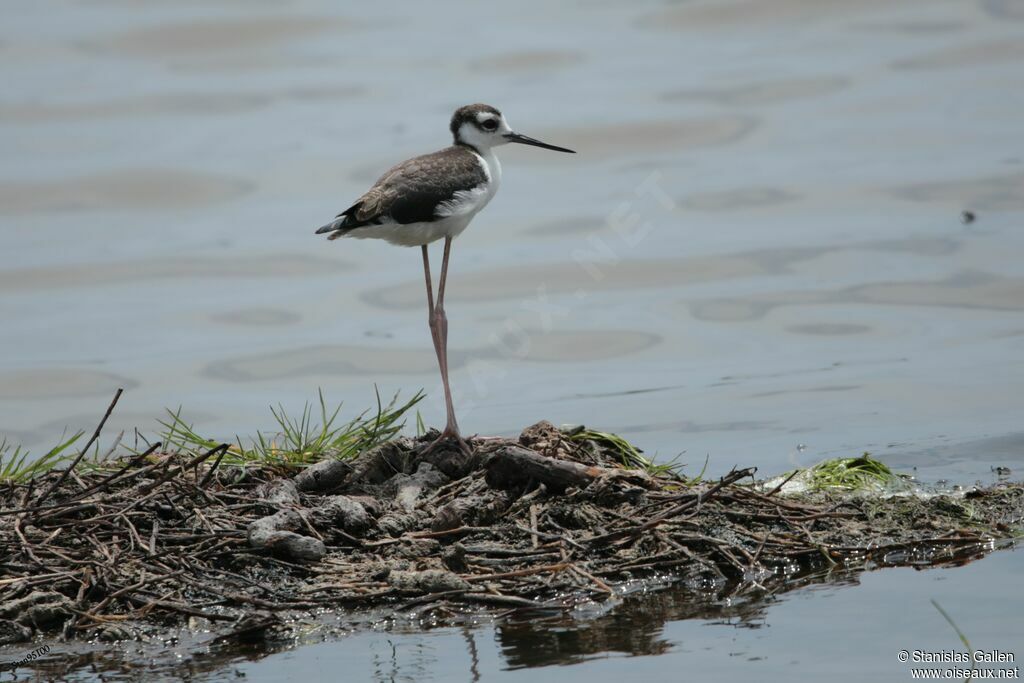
point(758, 246)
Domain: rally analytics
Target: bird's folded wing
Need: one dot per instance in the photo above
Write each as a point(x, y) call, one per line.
point(419, 190)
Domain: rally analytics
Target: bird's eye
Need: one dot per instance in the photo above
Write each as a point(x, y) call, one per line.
point(490, 124)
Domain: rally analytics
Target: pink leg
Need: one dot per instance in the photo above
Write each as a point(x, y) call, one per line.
point(441, 320)
point(426, 275)
point(439, 333)
point(430, 300)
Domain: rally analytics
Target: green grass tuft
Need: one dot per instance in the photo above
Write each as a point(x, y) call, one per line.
point(630, 456)
point(15, 466)
point(309, 437)
point(852, 474)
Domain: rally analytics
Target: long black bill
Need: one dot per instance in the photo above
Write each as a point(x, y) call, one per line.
point(527, 140)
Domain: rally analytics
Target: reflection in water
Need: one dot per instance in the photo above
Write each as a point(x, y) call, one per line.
point(632, 625)
point(474, 656)
point(633, 628)
point(176, 659)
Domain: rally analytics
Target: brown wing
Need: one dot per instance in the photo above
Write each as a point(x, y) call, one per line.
point(411, 191)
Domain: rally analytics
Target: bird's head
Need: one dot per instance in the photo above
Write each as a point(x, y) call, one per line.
point(481, 126)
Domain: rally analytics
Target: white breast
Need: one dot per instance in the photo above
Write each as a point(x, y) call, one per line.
point(467, 203)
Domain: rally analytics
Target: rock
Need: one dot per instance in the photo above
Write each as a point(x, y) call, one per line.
point(373, 506)
point(47, 613)
point(406, 488)
point(13, 632)
point(448, 517)
point(454, 557)
point(478, 510)
point(254, 628)
point(282, 520)
point(514, 466)
point(279, 493)
point(396, 523)
point(114, 633)
point(429, 581)
point(541, 433)
point(276, 533)
point(418, 548)
point(615, 488)
point(37, 608)
point(325, 475)
point(380, 571)
point(452, 461)
point(295, 546)
point(575, 516)
point(342, 512)
point(379, 464)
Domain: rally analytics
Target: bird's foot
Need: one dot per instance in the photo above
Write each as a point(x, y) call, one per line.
point(447, 437)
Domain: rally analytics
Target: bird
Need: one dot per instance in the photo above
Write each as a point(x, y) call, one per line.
point(431, 197)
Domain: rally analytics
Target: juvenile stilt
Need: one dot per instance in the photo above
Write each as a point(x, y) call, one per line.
point(432, 196)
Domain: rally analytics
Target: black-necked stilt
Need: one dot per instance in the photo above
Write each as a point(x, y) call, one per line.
point(433, 196)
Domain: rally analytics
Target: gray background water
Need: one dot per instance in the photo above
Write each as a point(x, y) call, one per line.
point(757, 246)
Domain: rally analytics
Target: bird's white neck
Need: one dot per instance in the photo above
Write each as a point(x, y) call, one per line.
point(491, 165)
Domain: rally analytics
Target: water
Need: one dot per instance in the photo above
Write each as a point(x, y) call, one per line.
point(817, 634)
point(850, 627)
point(757, 248)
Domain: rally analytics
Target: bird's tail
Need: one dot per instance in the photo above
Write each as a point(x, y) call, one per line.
point(335, 228)
point(341, 224)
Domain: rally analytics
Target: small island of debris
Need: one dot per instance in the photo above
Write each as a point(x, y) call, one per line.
point(542, 522)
